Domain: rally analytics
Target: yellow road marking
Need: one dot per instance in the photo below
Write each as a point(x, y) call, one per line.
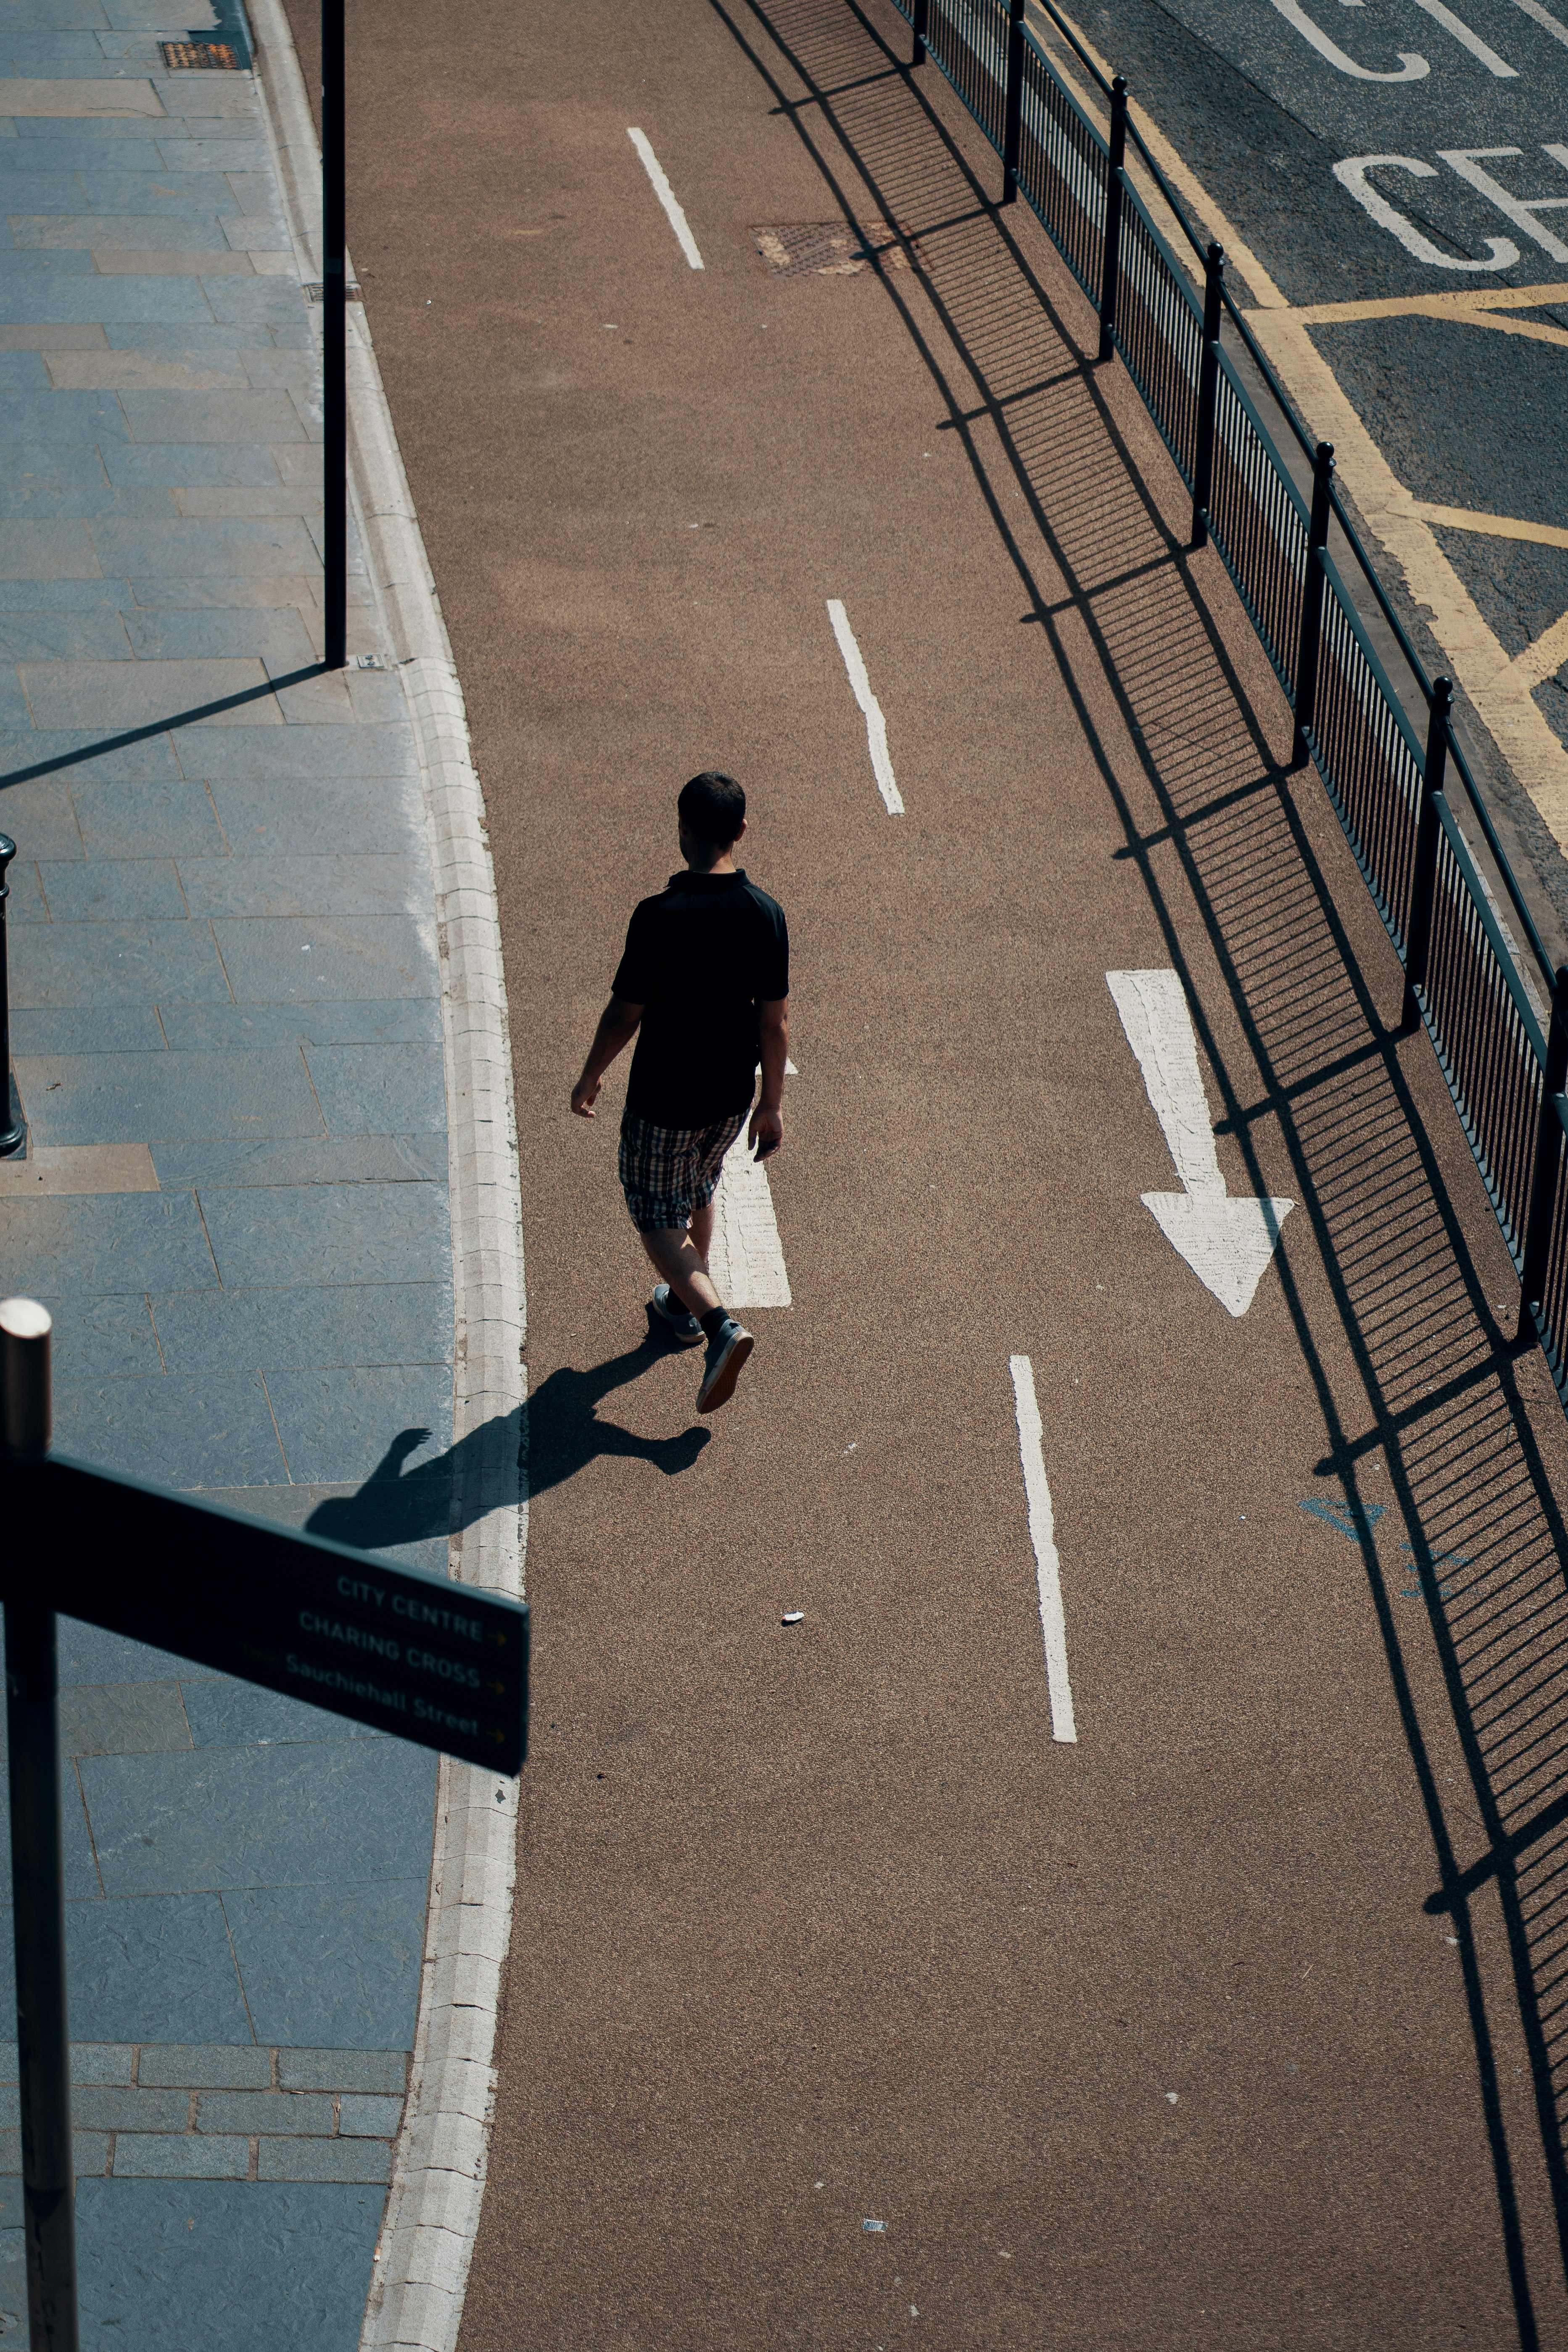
point(1545, 657)
point(1531, 327)
point(1472, 307)
point(1432, 306)
point(1498, 691)
point(1544, 534)
point(1500, 694)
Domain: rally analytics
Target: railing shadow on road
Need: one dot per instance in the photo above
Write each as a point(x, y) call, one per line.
point(1466, 1526)
point(557, 1433)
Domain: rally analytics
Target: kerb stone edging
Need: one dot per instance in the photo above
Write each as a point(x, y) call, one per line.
point(438, 2166)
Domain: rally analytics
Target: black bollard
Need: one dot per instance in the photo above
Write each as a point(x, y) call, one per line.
point(13, 1134)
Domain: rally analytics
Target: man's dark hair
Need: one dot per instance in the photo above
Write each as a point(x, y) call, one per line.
point(714, 807)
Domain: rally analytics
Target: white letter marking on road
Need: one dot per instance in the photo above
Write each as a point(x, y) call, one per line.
point(1544, 17)
point(1521, 210)
point(1471, 41)
point(666, 196)
point(1226, 1242)
point(876, 725)
point(1352, 176)
point(1411, 67)
point(1043, 1536)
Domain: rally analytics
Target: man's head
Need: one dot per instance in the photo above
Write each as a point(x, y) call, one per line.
point(712, 811)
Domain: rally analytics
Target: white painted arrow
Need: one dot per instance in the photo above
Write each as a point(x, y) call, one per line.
point(1226, 1242)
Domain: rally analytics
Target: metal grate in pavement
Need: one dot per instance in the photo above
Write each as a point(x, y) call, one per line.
point(828, 249)
point(180, 57)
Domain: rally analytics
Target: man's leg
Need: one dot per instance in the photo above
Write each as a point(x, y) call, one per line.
point(685, 1267)
point(675, 1167)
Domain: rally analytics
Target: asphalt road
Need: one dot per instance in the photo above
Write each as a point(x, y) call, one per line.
point(1144, 2039)
point(1467, 415)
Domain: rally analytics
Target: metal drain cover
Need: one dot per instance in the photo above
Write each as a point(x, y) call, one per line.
point(180, 57)
point(828, 249)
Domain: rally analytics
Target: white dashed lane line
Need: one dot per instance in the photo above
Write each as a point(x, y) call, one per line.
point(666, 197)
point(876, 725)
point(1043, 1536)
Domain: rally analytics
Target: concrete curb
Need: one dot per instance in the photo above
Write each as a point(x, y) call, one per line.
point(438, 2166)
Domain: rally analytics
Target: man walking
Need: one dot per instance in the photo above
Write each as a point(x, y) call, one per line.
point(705, 977)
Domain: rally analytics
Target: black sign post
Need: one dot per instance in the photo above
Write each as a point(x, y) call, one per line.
point(37, 1866)
point(443, 1664)
point(334, 341)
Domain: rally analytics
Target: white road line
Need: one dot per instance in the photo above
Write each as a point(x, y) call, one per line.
point(666, 197)
point(1153, 1010)
point(1227, 1243)
point(876, 725)
point(746, 1260)
point(1533, 8)
point(1043, 1536)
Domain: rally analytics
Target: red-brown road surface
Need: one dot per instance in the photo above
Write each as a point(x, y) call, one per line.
point(1143, 2041)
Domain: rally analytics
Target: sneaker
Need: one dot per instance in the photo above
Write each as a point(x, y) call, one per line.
point(726, 1354)
point(677, 1322)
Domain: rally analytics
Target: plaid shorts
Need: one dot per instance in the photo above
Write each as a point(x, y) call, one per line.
point(667, 1173)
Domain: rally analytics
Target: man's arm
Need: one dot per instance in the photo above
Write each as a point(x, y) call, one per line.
point(617, 1027)
point(766, 1131)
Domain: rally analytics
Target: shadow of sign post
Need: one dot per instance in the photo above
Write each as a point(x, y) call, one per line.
point(408, 1653)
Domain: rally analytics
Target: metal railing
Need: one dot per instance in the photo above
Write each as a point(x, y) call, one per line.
point(1500, 1036)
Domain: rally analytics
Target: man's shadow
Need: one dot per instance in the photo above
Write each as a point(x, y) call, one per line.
point(557, 1433)
point(563, 1430)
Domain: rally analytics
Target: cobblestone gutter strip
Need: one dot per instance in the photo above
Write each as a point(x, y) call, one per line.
point(157, 2111)
point(438, 2166)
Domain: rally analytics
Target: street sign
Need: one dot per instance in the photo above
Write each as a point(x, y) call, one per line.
point(436, 1662)
point(443, 1664)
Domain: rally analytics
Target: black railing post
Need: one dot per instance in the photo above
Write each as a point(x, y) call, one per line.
point(37, 1871)
point(1110, 275)
point(1424, 871)
point(1548, 1150)
point(13, 1134)
point(1208, 386)
point(1013, 108)
point(923, 22)
point(334, 343)
point(1312, 603)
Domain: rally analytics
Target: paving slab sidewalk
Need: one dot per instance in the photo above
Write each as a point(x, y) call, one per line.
point(227, 1037)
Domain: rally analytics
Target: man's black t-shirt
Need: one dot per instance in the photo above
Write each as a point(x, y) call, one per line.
point(699, 959)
